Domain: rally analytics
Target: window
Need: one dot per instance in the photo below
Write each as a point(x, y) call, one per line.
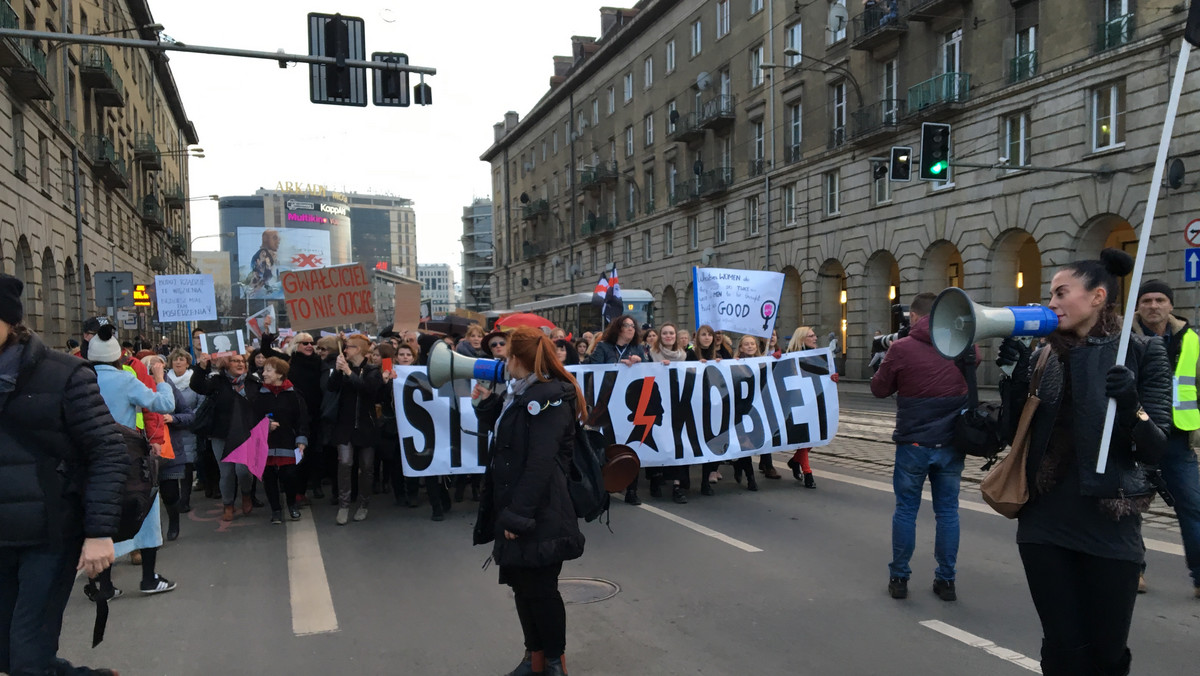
point(839, 34)
point(648, 66)
point(1024, 65)
point(68, 187)
point(595, 112)
point(609, 258)
point(669, 239)
point(789, 204)
point(890, 112)
point(648, 187)
point(647, 252)
point(612, 100)
point(554, 142)
point(1016, 139)
point(794, 116)
point(671, 115)
point(837, 95)
point(1108, 116)
point(671, 55)
point(44, 161)
point(755, 7)
point(952, 51)
point(756, 128)
point(18, 135)
point(752, 216)
point(628, 250)
point(543, 150)
point(881, 189)
point(697, 37)
point(628, 89)
point(649, 124)
point(756, 62)
point(722, 18)
point(693, 233)
point(832, 193)
point(672, 176)
point(721, 223)
point(630, 201)
point(628, 141)
point(792, 40)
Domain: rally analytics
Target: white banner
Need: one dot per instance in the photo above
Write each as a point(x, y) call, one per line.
point(741, 301)
point(185, 298)
point(683, 414)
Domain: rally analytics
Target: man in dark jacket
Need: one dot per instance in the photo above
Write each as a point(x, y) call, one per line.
point(64, 466)
point(931, 393)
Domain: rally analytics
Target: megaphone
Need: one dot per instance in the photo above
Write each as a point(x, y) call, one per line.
point(446, 365)
point(956, 322)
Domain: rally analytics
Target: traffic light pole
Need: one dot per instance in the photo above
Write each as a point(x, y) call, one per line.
point(1025, 167)
point(281, 57)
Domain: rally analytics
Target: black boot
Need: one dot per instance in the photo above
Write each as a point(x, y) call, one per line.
point(809, 482)
point(631, 497)
point(795, 467)
point(172, 523)
point(751, 483)
point(656, 482)
point(705, 487)
point(678, 495)
point(185, 490)
point(556, 666)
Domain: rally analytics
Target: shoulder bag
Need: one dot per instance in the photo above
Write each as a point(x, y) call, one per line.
point(1005, 487)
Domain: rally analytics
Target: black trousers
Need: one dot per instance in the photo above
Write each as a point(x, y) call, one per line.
point(1086, 605)
point(539, 607)
point(289, 477)
point(35, 584)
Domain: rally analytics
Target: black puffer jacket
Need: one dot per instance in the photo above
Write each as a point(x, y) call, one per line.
point(62, 458)
point(1089, 364)
point(525, 486)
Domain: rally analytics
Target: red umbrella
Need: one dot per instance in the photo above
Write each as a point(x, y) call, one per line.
point(524, 319)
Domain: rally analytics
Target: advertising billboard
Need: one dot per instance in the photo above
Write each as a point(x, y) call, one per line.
point(264, 254)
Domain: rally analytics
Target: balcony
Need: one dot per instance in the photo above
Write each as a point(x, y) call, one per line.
point(716, 181)
point(880, 118)
point(649, 207)
point(535, 210)
point(757, 167)
point(178, 244)
point(97, 73)
point(838, 137)
point(1023, 67)
point(151, 213)
point(594, 225)
point(10, 50)
point(110, 167)
point(717, 112)
point(592, 179)
point(946, 92)
point(686, 192)
point(1115, 32)
point(928, 10)
point(173, 196)
point(27, 77)
point(529, 250)
point(687, 129)
point(877, 25)
point(146, 152)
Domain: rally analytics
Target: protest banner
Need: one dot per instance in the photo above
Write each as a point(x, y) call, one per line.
point(741, 301)
point(683, 414)
point(263, 321)
point(185, 298)
point(328, 296)
point(224, 343)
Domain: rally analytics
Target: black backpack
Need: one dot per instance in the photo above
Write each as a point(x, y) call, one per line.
point(585, 478)
point(137, 495)
point(977, 427)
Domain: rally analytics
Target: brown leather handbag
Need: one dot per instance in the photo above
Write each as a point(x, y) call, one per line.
point(1005, 487)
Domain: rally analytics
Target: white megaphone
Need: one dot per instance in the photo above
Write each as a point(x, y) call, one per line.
point(446, 365)
point(956, 322)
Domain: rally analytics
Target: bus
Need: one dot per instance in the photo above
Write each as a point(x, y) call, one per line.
point(575, 312)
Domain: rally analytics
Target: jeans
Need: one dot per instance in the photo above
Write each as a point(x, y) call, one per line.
point(539, 607)
point(234, 475)
point(1179, 470)
point(366, 466)
point(35, 584)
point(944, 468)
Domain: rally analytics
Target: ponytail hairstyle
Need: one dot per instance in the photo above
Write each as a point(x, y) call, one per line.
point(1107, 272)
point(536, 352)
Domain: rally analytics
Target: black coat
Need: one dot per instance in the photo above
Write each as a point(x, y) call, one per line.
point(609, 353)
point(233, 414)
point(305, 374)
point(288, 409)
point(525, 485)
point(357, 394)
point(62, 457)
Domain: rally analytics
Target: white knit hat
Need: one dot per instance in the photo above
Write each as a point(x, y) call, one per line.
point(104, 351)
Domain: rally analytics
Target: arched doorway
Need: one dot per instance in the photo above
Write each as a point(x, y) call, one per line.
point(1103, 232)
point(1016, 277)
point(881, 290)
point(52, 307)
point(942, 267)
point(670, 306)
point(24, 270)
point(791, 306)
point(71, 311)
point(832, 301)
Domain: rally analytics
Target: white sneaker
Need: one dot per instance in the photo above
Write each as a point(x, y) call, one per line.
point(160, 585)
point(361, 513)
point(343, 515)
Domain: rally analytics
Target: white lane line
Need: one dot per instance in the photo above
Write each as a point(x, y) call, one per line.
point(312, 602)
point(983, 644)
point(1151, 544)
point(703, 530)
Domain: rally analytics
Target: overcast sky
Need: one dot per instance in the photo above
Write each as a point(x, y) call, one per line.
point(257, 126)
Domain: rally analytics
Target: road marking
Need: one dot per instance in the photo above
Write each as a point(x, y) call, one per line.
point(703, 530)
point(983, 644)
point(312, 602)
point(1151, 544)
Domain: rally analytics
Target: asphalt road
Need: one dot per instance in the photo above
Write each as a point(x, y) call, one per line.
point(782, 581)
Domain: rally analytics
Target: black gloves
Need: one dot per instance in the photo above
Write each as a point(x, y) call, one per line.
point(1014, 352)
point(1121, 385)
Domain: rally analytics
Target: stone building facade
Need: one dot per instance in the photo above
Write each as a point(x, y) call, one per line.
point(756, 134)
point(120, 108)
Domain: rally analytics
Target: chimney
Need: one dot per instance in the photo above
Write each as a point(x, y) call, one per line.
point(498, 130)
point(609, 19)
point(562, 65)
point(510, 120)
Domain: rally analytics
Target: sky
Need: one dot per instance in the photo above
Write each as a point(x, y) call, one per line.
point(257, 126)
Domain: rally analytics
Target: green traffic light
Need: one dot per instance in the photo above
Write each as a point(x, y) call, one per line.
point(937, 168)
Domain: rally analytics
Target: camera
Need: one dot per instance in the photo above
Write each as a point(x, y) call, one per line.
point(900, 319)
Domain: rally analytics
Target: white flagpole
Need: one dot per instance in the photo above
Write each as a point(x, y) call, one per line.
point(1139, 265)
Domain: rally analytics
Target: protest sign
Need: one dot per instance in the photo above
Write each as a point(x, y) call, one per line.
point(683, 414)
point(185, 298)
point(263, 321)
point(224, 343)
point(741, 301)
point(328, 296)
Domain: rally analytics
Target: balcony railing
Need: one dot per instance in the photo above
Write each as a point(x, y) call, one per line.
point(686, 191)
point(97, 72)
point(178, 244)
point(757, 167)
point(838, 136)
point(1023, 66)
point(535, 210)
point(877, 24)
point(28, 77)
point(173, 196)
point(946, 88)
point(145, 151)
point(649, 207)
point(687, 128)
point(108, 164)
point(794, 153)
point(152, 215)
point(10, 51)
point(717, 112)
point(879, 117)
point(593, 178)
point(1115, 32)
point(716, 181)
point(530, 250)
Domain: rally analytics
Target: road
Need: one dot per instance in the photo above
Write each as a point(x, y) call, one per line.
point(782, 581)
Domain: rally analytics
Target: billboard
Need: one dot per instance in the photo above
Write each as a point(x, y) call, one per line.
point(264, 254)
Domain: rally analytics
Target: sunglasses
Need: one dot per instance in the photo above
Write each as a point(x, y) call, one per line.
point(305, 342)
point(498, 343)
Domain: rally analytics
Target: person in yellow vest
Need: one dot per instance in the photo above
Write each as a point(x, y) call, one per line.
point(1178, 465)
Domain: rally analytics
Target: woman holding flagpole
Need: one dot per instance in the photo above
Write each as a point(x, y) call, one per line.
point(233, 416)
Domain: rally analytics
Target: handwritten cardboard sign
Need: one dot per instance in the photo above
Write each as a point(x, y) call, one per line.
point(328, 296)
point(741, 301)
point(185, 298)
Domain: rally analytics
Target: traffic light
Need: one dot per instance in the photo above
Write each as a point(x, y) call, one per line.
point(901, 163)
point(935, 151)
point(338, 37)
point(391, 86)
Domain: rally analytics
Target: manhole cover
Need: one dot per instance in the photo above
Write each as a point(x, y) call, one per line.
point(579, 590)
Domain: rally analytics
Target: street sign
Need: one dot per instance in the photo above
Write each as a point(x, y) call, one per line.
point(114, 289)
point(1192, 233)
point(339, 37)
point(1191, 265)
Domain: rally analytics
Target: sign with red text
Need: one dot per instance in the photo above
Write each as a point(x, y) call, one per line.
point(328, 297)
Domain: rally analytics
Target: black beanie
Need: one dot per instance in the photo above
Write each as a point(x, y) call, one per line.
point(11, 310)
point(1156, 286)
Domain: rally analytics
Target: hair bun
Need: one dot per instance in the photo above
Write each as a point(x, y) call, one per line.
point(1117, 262)
point(106, 332)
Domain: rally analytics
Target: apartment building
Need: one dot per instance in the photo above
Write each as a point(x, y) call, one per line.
point(437, 288)
point(756, 134)
point(119, 109)
point(478, 255)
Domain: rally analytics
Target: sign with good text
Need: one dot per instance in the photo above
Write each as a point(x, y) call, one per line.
point(185, 298)
point(741, 301)
point(328, 296)
point(683, 414)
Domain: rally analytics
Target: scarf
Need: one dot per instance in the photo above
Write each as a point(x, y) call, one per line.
point(180, 382)
point(515, 389)
point(239, 383)
point(678, 354)
point(276, 389)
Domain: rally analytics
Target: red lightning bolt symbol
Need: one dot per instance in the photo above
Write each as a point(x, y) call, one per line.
point(643, 401)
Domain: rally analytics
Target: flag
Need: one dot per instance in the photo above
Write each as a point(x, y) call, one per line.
point(601, 291)
point(1192, 32)
point(253, 452)
point(612, 300)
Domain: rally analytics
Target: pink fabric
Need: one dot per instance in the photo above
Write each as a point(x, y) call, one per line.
point(253, 453)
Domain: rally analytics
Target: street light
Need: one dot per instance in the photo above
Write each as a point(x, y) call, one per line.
point(790, 51)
